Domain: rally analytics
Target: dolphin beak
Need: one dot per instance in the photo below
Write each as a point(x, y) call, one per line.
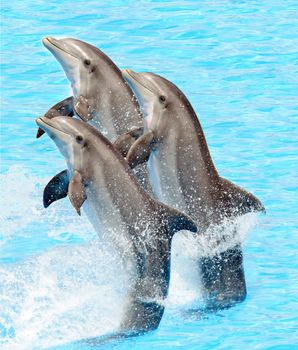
point(45, 40)
point(43, 123)
point(63, 108)
point(134, 80)
point(49, 42)
point(39, 122)
point(57, 47)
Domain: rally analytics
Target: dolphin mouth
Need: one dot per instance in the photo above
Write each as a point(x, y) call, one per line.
point(129, 74)
point(50, 42)
point(46, 125)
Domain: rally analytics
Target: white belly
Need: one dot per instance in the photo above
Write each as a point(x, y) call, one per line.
point(105, 217)
point(164, 179)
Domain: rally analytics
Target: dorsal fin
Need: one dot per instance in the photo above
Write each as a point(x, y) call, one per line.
point(176, 220)
point(238, 200)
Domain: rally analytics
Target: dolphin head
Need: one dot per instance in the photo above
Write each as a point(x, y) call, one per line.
point(72, 138)
point(80, 62)
point(86, 67)
point(160, 100)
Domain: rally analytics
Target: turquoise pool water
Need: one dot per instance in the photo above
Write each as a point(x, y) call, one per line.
point(237, 63)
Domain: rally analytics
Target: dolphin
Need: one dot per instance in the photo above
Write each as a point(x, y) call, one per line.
point(104, 185)
point(101, 97)
point(183, 176)
point(100, 94)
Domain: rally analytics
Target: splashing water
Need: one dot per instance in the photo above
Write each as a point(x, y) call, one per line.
point(76, 290)
point(66, 294)
point(23, 210)
point(236, 61)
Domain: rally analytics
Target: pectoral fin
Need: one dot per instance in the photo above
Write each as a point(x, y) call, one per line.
point(125, 141)
point(64, 108)
point(39, 133)
point(56, 189)
point(141, 149)
point(77, 191)
point(84, 108)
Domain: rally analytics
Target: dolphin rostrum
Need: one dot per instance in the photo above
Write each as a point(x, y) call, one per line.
point(183, 176)
point(102, 182)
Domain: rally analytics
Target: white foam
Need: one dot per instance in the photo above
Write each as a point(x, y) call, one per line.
point(69, 293)
point(22, 208)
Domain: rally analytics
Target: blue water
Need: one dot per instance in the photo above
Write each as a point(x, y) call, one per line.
point(237, 63)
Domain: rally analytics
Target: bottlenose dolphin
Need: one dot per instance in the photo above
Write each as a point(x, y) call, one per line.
point(183, 176)
point(101, 97)
point(103, 183)
point(100, 94)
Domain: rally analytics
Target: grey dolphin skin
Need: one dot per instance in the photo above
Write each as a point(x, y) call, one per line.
point(183, 176)
point(101, 97)
point(100, 94)
point(103, 183)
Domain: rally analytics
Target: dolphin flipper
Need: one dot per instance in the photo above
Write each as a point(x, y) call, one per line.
point(56, 189)
point(141, 149)
point(84, 108)
point(64, 107)
point(125, 141)
point(76, 191)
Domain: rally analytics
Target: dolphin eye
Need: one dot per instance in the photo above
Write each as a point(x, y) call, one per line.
point(162, 98)
point(87, 62)
point(79, 138)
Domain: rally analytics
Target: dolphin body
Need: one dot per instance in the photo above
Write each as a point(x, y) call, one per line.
point(103, 183)
point(101, 97)
point(183, 176)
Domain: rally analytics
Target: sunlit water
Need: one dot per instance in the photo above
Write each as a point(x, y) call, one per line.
point(237, 63)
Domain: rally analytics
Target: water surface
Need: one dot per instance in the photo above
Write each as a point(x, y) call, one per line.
point(237, 63)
